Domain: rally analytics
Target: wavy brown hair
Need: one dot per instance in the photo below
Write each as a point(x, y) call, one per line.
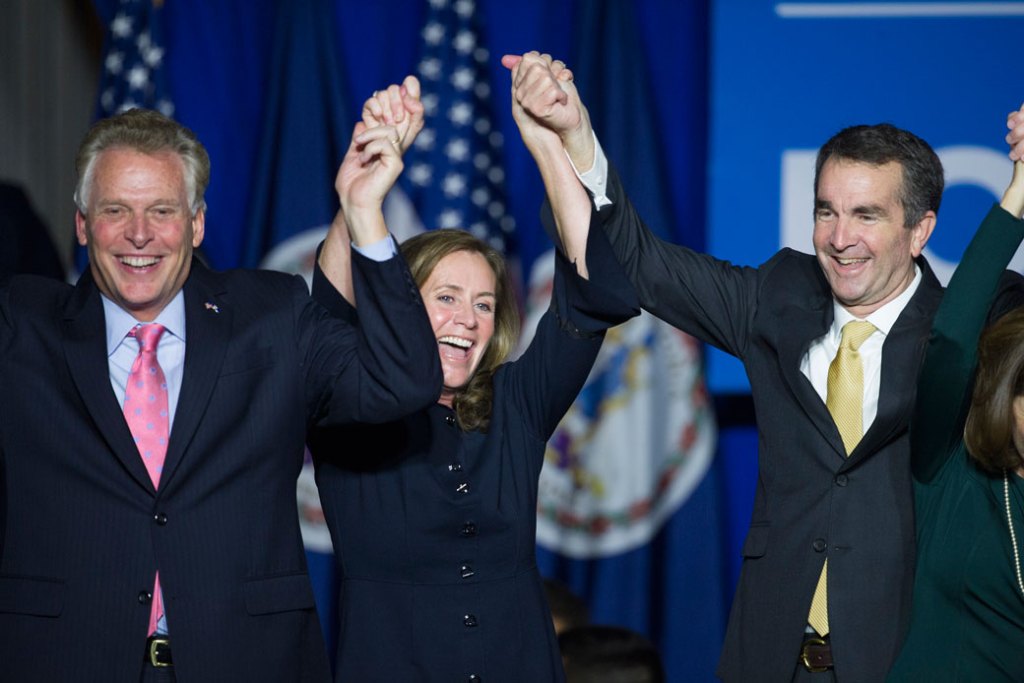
point(988, 434)
point(473, 402)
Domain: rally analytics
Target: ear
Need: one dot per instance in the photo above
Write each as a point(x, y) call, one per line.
point(921, 232)
point(1018, 409)
point(1018, 429)
point(80, 229)
point(198, 228)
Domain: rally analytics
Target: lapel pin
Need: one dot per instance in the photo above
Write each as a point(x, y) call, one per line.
point(212, 307)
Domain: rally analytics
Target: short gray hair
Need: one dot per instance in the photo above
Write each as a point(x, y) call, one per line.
point(149, 132)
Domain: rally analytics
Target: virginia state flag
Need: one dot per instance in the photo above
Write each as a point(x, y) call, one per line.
point(627, 517)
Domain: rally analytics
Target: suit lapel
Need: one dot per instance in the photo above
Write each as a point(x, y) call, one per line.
point(901, 360)
point(85, 349)
point(799, 325)
point(207, 329)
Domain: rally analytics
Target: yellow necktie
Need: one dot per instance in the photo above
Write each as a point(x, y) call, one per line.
point(845, 400)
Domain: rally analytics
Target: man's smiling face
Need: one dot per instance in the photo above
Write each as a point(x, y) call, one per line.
point(139, 229)
point(865, 251)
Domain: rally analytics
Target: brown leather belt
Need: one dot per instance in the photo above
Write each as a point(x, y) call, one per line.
point(158, 651)
point(816, 654)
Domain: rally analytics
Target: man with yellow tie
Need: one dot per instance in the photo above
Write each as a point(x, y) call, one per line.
point(831, 345)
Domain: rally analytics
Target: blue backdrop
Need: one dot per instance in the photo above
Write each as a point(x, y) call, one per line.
point(787, 75)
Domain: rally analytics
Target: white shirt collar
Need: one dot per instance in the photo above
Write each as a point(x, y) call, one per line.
point(883, 318)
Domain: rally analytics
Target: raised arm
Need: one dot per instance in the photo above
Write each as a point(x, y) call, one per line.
point(943, 390)
point(548, 111)
point(1013, 198)
point(391, 120)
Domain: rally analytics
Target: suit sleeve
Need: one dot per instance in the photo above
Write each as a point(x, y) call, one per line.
point(549, 375)
point(944, 384)
point(391, 368)
point(703, 296)
point(330, 298)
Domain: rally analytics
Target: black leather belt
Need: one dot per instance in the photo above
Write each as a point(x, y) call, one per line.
point(158, 651)
point(816, 654)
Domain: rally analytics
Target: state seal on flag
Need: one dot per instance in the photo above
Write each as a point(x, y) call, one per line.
point(637, 441)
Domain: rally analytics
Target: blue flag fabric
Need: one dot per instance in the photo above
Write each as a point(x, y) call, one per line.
point(629, 507)
point(307, 124)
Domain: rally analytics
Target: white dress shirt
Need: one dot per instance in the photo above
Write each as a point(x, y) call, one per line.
point(822, 350)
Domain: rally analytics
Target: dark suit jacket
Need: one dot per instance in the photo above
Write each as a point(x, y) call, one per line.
point(812, 501)
point(82, 530)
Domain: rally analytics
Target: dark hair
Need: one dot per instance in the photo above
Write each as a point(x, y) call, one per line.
point(988, 434)
point(921, 189)
point(567, 609)
point(609, 654)
point(148, 132)
point(423, 252)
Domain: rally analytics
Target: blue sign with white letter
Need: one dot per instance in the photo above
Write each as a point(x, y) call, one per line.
point(788, 75)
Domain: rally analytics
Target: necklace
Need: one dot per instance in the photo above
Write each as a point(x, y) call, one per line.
point(1013, 536)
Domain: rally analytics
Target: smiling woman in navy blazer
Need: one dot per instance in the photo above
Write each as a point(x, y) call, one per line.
point(433, 516)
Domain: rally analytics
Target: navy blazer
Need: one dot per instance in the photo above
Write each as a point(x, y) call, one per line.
point(82, 529)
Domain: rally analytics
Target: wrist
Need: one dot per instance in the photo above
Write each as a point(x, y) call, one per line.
point(366, 226)
point(1013, 198)
point(356, 210)
point(543, 143)
point(579, 145)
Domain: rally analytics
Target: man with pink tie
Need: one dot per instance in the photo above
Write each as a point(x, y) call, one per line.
point(152, 425)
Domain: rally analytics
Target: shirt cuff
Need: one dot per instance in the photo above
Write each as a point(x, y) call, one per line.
point(596, 178)
point(381, 250)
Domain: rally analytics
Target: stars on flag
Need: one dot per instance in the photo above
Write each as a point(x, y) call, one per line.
point(453, 173)
point(133, 65)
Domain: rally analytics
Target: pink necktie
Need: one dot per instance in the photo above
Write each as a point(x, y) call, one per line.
point(145, 410)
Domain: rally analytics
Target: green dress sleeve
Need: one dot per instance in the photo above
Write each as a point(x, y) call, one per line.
point(945, 381)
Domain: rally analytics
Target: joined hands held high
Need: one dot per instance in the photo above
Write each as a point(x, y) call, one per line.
point(545, 102)
point(391, 120)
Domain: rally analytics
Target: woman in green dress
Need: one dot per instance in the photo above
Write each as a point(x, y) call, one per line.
point(967, 621)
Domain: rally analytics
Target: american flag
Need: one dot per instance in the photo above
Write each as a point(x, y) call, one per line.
point(454, 173)
point(133, 63)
